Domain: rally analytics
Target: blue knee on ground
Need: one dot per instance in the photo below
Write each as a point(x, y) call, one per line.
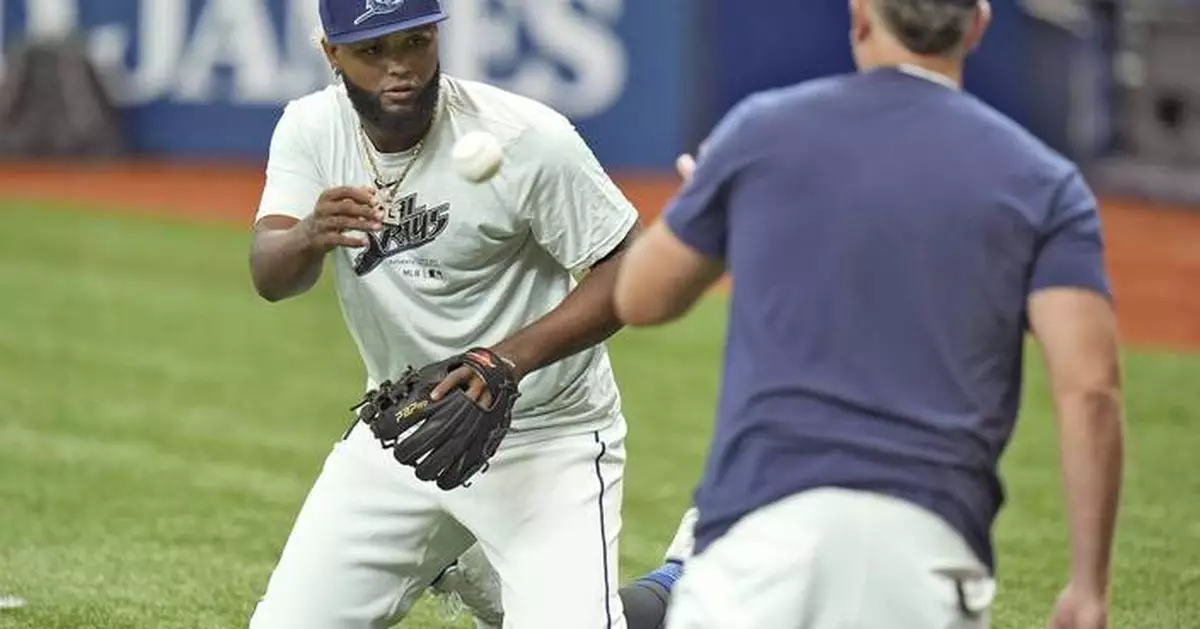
point(665, 576)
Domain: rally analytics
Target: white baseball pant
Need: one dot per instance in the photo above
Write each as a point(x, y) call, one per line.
point(835, 559)
point(371, 537)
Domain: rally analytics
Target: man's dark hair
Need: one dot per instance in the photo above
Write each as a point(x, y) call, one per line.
point(928, 27)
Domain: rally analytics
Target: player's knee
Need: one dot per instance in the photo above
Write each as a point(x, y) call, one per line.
point(320, 612)
point(645, 605)
point(270, 614)
point(560, 609)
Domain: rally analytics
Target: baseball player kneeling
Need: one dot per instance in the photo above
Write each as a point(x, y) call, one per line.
point(491, 412)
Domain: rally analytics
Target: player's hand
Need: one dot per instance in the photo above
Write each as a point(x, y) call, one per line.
point(472, 383)
point(341, 210)
point(466, 379)
point(685, 165)
point(1079, 609)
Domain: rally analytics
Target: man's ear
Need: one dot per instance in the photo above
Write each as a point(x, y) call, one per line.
point(979, 26)
point(330, 51)
point(861, 23)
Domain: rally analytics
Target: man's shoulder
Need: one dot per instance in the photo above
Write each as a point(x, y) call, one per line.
point(1020, 138)
point(313, 111)
point(815, 89)
point(1007, 146)
point(787, 104)
point(500, 111)
point(788, 97)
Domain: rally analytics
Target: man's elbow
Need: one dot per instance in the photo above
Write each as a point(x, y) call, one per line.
point(641, 311)
point(1095, 411)
point(1099, 402)
point(1096, 389)
point(267, 287)
point(273, 290)
point(270, 295)
point(265, 290)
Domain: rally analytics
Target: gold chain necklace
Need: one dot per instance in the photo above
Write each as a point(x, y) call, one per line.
point(389, 189)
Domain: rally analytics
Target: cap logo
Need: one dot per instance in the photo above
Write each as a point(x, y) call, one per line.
point(379, 7)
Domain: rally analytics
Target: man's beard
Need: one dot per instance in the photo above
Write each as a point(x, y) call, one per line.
point(409, 122)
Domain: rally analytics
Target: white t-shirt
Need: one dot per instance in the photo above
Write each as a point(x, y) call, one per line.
point(471, 264)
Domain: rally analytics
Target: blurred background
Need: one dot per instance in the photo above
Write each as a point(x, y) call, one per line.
point(147, 481)
point(1111, 83)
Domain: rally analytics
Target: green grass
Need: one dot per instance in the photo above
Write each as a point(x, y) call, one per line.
point(160, 425)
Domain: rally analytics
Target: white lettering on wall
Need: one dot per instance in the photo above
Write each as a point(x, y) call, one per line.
point(304, 68)
point(235, 34)
point(161, 33)
point(476, 37)
point(571, 58)
point(584, 42)
point(586, 46)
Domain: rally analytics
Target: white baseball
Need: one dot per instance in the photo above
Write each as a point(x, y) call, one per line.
point(477, 156)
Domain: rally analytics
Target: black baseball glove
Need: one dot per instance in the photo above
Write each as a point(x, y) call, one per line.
point(451, 439)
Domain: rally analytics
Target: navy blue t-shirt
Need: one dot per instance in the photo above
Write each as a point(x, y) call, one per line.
point(883, 232)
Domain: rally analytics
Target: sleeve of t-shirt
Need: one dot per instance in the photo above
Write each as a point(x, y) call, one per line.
point(1071, 248)
point(699, 214)
point(293, 179)
point(574, 209)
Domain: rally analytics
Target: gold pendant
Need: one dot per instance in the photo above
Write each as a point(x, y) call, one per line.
point(391, 210)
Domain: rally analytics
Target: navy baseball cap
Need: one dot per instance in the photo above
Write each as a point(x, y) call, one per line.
point(348, 21)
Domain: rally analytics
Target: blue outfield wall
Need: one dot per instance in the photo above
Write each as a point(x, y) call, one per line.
point(207, 78)
point(770, 43)
point(643, 79)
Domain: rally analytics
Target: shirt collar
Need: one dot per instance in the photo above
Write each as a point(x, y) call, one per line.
point(928, 75)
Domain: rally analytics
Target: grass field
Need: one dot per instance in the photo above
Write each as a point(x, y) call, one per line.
point(160, 425)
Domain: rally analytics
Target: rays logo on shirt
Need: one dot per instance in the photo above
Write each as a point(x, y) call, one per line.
point(407, 227)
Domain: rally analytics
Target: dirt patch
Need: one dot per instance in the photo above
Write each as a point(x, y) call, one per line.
point(1154, 250)
point(1154, 259)
point(208, 192)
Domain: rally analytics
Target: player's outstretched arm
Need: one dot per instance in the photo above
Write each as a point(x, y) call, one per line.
point(582, 220)
point(662, 278)
point(585, 318)
point(1077, 331)
point(287, 254)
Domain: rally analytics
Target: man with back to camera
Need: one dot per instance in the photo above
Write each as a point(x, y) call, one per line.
point(461, 265)
point(890, 239)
